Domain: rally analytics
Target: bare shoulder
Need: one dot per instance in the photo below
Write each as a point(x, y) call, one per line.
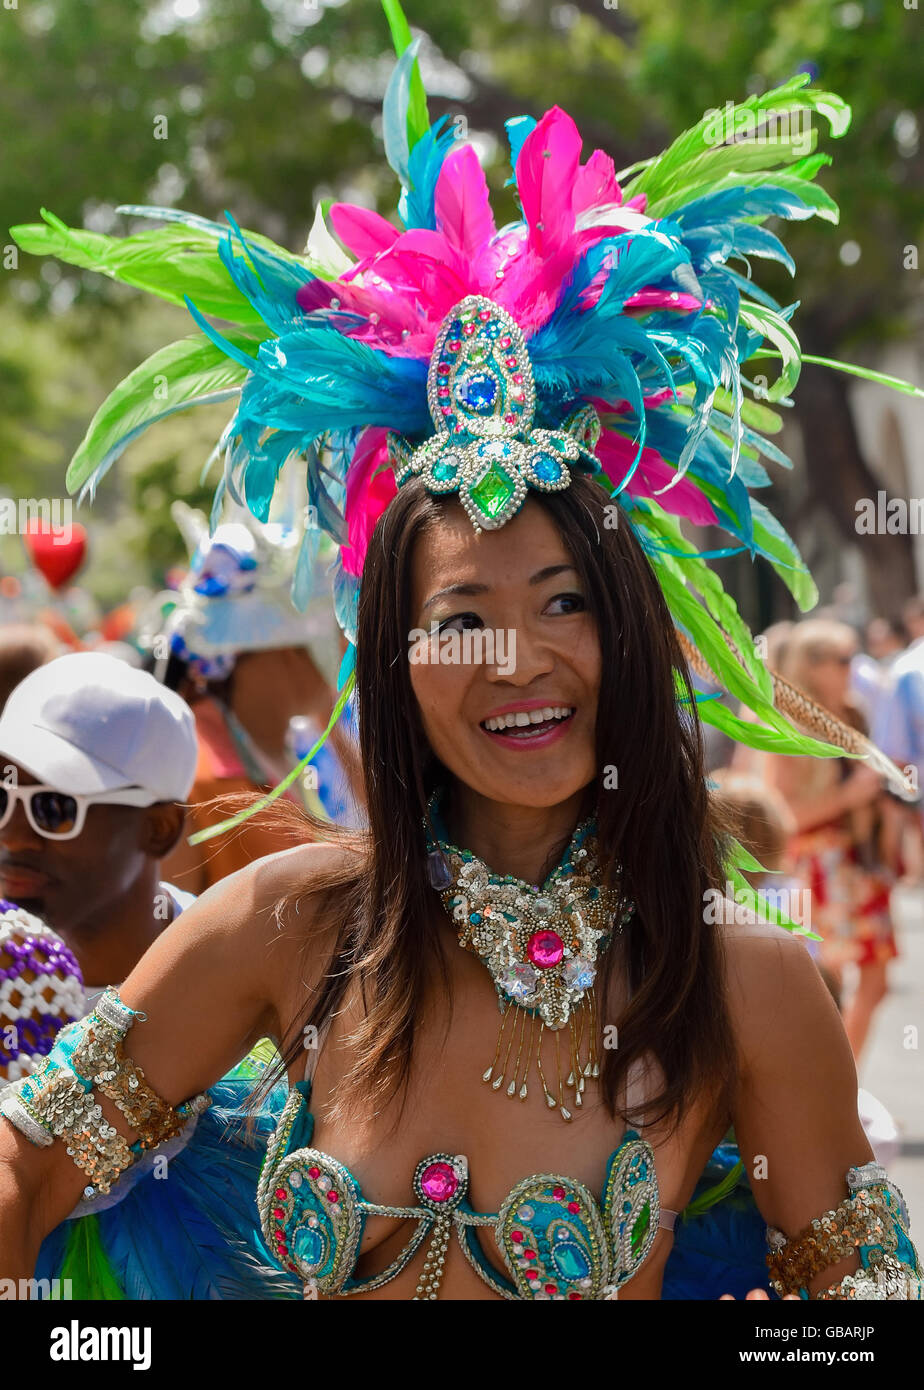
point(775, 992)
point(266, 911)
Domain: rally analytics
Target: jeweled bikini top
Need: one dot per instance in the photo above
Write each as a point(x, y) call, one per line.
point(557, 1241)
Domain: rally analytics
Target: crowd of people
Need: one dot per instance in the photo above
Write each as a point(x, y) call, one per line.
point(833, 838)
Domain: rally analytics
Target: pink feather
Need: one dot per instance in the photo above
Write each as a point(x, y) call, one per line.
point(367, 495)
point(595, 184)
point(616, 453)
point(361, 230)
point(546, 170)
point(462, 203)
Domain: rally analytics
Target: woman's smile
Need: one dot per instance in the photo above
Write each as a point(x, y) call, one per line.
point(529, 724)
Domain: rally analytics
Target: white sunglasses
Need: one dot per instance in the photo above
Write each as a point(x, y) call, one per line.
point(57, 815)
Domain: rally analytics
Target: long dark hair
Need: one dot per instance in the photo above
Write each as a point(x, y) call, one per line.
point(657, 829)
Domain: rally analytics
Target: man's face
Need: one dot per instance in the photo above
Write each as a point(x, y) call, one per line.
point(69, 882)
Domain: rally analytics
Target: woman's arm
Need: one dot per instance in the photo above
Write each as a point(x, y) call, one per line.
point(226, 973)
point(787, 775)
point(795, 1113)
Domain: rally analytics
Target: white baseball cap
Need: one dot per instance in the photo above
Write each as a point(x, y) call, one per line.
point(87, 723)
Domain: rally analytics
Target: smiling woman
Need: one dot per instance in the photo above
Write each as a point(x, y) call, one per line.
point(502, 428)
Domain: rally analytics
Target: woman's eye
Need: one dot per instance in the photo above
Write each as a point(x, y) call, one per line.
point(574, 602)
point(463, 620)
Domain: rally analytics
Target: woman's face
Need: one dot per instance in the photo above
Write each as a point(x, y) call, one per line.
point(514, 635)
point(830, 675)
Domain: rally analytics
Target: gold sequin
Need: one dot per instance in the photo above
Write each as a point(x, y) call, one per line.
point(863, 1219)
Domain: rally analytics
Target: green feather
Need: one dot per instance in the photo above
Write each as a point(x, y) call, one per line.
point(759, 417)
point(895, 383)
point(789, 742)
point(715, 1194)
point(177, 376)
point(700, 156)
point(418, 120)
point(171, 261)
point(774, 327)
point(747, 896)
point(692, 570)
point(796, 178)
point(86, 1265)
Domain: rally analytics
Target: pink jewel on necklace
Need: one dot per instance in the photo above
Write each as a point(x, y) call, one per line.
point(439, 1181)
point(545, 949)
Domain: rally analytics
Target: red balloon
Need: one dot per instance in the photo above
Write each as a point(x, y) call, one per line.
point(56, 555)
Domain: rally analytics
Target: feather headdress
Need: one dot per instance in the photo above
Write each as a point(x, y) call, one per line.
point(625, 290)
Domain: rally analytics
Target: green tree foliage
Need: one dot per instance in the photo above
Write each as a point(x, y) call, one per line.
point(266, 106)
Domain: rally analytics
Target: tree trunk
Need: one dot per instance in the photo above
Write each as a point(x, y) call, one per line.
point(839, 475)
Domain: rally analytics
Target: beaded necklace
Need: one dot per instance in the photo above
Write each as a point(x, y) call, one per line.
point(540, 946)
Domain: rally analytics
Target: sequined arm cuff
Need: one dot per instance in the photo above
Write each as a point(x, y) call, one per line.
point(58, 1101)
point(872, 1223)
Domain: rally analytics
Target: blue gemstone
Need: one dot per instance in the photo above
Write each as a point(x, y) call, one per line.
point(491, 329)
point(478, 391)
point(438, 869)
point(570, 1261)
point(546, 468)
point(308, 1245)
point(474, 917)
point(443, 471)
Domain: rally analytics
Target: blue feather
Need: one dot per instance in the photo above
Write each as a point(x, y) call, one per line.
point(416, 207)
point(394, 113)
point(517, 128)
point(193, 1233)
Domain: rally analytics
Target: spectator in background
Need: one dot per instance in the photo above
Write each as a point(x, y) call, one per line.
point(235, 647)
point(836, 804)
point(885, 639)
point(771, 645)
point(99, 759)
point(870, 669)
point(898, 724)
point(23, 648)
point(763, 824)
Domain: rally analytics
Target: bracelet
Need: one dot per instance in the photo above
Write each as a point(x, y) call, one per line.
point(886, 1278)
point(870, 1222)
point(100, 1057)
point(58, 1101)
point(55, 1102)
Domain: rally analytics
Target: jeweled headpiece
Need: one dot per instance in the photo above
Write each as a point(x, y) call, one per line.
point(482, 401)
point(623, 334)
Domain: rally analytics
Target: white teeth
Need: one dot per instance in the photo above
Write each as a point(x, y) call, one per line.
point(522, 718)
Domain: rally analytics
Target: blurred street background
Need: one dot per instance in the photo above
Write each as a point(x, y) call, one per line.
point(891, 1070)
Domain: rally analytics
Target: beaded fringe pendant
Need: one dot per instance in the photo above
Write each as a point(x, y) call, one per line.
point(540, 946)
point(524, 1028)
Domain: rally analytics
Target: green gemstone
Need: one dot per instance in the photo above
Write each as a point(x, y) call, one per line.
point(640, 1229)
point(494, 491)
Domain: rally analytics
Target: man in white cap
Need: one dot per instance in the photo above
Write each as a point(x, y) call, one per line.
point(95, 760)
